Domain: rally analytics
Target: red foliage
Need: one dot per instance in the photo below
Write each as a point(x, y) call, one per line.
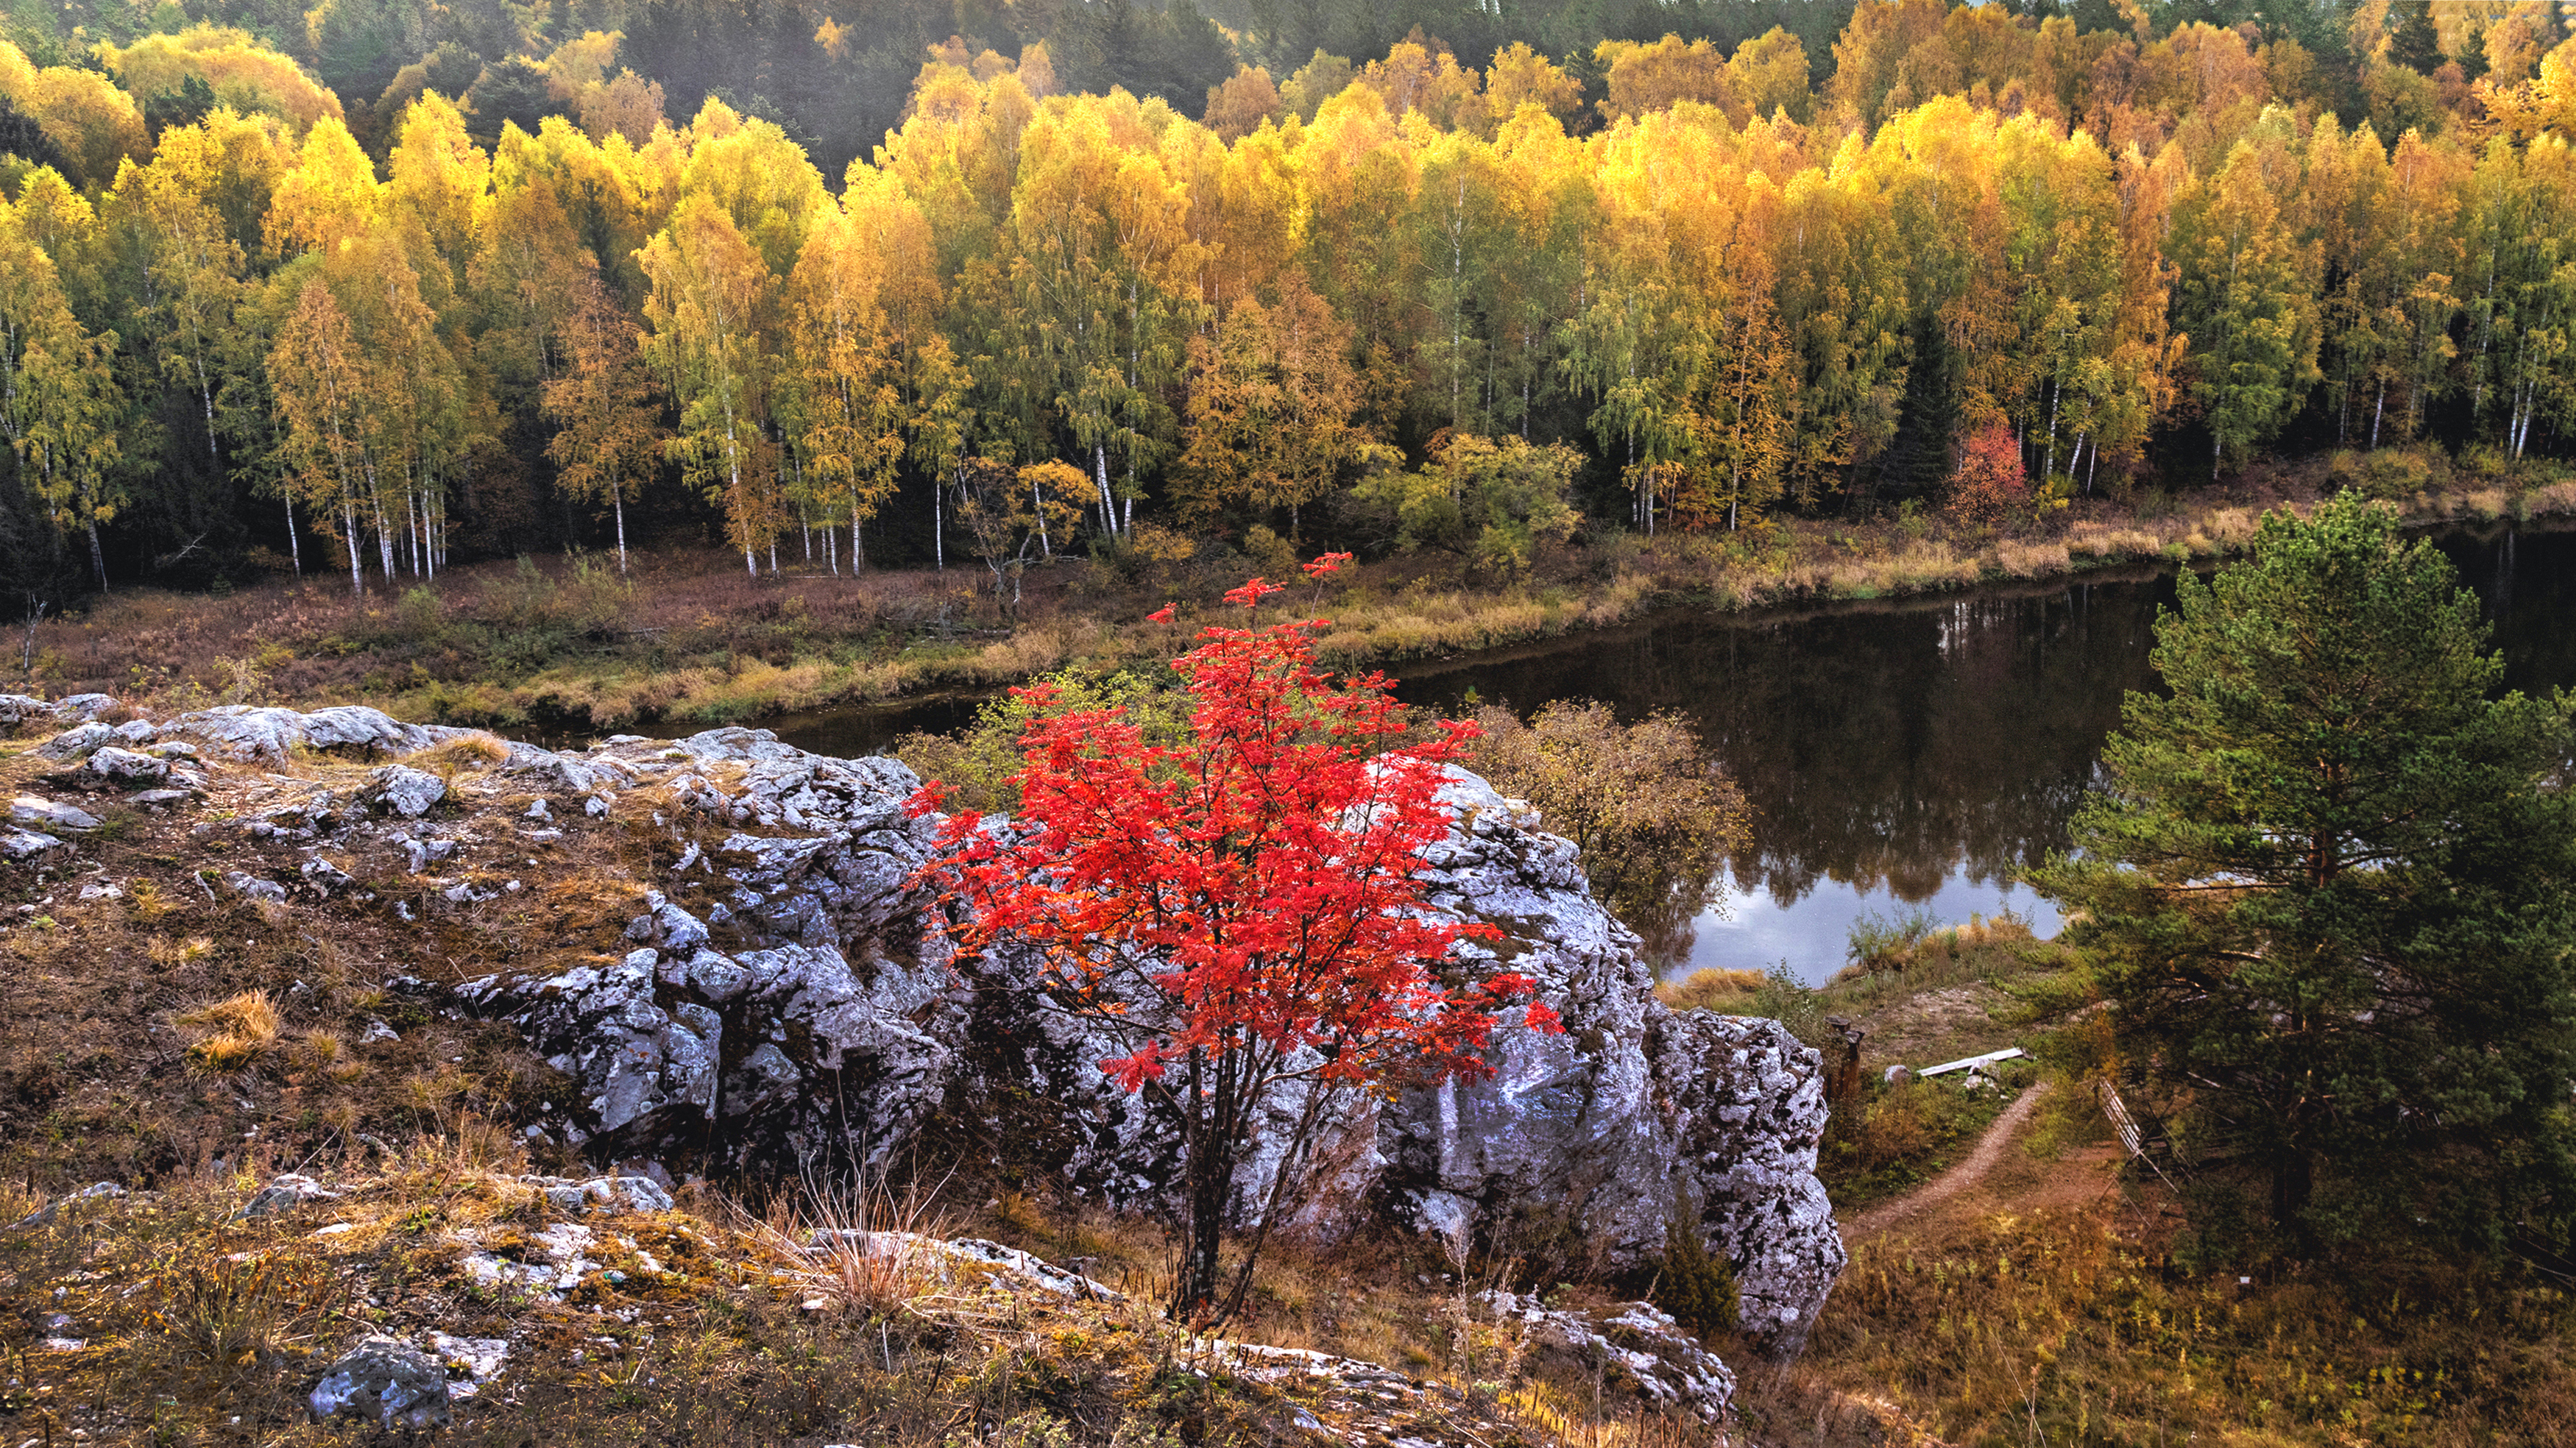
point(1990, 484)
point(1241, 910)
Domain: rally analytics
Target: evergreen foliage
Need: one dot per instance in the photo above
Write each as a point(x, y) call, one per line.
point(2330, 882)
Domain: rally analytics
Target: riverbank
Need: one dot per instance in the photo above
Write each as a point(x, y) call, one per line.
point(569, 646)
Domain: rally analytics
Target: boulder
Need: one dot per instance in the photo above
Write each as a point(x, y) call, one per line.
point(406, 791)
point(17, 709)
point(136, 733)
point(111, 767)
point(247, 734)
point(547, 771)
point(1746, 1104)
point(388, 1382)
point(46, 814)
point(83, 706)
point(757, 1058)
point(252, 887)
point(477, 1360)
point(76, 742)
point(18, 844)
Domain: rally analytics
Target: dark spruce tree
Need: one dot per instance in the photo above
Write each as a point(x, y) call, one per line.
point(2326, 884)
point(2412, 40)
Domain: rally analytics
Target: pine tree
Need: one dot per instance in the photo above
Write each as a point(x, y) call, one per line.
point(2330, 886)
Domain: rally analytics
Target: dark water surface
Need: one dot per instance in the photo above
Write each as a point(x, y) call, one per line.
point(1896, 754)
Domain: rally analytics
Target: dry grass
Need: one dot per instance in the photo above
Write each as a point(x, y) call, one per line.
point(2079, 1324)
point(460, 755)
point(873, 1262)
point(235, 1032)
point(1711, 989)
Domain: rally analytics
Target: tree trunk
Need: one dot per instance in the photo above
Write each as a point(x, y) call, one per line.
point(1100, 479)
point(214, 453)
point(1195, 1294)
point(97, 559)
point(294, 545)
point(617, 505)
point(349, 538)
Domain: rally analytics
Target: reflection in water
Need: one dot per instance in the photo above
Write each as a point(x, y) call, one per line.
point(1921, 752)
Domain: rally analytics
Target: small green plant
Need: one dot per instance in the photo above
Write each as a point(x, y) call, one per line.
point(1878, 942)
point(1697, 1288)
point(1784, 998)
point(423, 613)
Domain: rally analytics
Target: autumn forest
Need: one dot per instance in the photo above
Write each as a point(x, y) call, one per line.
point(386, 286)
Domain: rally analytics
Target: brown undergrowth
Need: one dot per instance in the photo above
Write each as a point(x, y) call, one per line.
point(2078, 1325)
point(686, 638)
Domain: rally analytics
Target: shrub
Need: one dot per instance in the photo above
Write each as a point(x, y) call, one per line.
point(1272, 556)
point(1878, 943)
point(1698, 1289)
point(1784, 998)
point(1653, 814)
point(1990, 484)
point(2384, 473)
point(423, 612)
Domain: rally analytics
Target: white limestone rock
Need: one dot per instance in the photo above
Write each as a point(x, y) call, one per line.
point(832, 1053)
point(18, 844)
point(249, 734)
point(1639, 1344)
point(406, 791)
point(627, 1193)
point(45, 814)
point(77, 742)
point(284, 1194)
point(252, 887)
point(111, 767)
point(388, 1382)
point(827, 1015)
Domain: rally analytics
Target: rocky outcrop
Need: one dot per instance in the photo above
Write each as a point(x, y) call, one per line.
point(1638, 1342)
point(786, 995)
point(267, 735)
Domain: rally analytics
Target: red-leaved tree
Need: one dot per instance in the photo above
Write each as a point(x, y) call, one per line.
point(1990, 484)
point(1240, 912)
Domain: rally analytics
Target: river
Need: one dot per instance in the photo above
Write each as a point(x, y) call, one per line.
point(1897, 754)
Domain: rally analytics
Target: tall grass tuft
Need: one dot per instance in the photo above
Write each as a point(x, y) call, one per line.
point(237, 1031)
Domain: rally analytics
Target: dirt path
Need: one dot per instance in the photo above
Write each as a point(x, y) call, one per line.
point(1981, 1160)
